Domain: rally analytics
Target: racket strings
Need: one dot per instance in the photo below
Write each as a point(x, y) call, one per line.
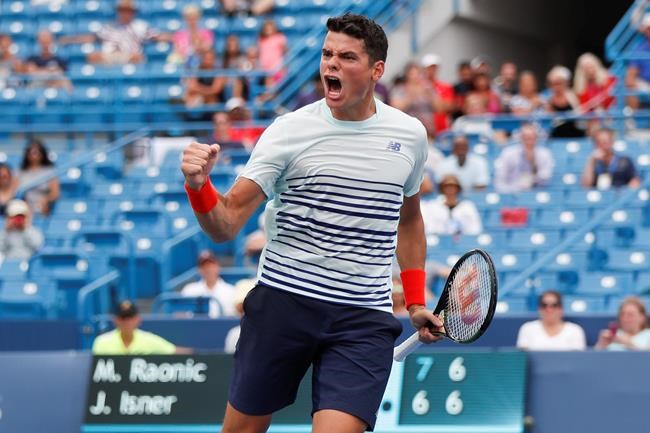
point(468, 300)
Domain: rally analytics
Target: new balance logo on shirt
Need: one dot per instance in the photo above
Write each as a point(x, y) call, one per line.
point(394, 146)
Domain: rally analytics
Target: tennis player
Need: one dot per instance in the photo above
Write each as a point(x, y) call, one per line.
point(343, 176)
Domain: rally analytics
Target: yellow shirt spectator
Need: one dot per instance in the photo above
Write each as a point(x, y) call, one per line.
point(143, 343)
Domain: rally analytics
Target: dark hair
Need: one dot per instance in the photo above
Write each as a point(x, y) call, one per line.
point(360, 27)
point(464, 64)
point(228, 57)
point(45, 159)
point(609, 131)
point(558, 296)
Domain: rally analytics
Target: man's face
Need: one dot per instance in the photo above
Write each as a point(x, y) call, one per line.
point(604, 141)
point(45, 40)
point(550, 309)
point(465, 74)
point(125, 15)
point(127, 324)
point(346, 71)
point(461, 147)
point(209, 270)
point(509, 72)
point(18, 222)
point(528, 137)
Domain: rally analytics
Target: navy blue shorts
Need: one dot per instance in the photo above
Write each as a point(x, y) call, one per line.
point(282, 334)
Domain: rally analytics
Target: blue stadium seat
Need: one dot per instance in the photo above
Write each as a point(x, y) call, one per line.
point(568, 261)
point(538, 199)
point(580, 198)
point(533, 240)
point(13, 270)
point(604, 283)
point(628, 261)
point(28, 300)
point(624, 218)
point(576, 304)
point(642, 284)
point(563, 219)
point(512, 305)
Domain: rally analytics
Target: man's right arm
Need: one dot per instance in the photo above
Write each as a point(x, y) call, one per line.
point(223, 221)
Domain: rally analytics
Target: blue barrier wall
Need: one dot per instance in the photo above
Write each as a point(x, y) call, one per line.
point(584, 392)
point(209, 334)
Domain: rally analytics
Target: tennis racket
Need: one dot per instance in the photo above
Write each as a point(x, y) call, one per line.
point(466, 305)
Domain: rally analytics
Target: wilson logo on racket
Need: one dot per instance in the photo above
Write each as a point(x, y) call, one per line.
point(470, 310)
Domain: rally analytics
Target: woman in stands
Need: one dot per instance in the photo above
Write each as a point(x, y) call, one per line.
point(561, 99)
point(204, 89)
point(234, 58)
point(37, 164)
point(527, 101)
point(593, 84)
point(482, 88)
point(416, 97)
point(630, 332)
point(8, 185)
point(272, 47)
point(191, 41)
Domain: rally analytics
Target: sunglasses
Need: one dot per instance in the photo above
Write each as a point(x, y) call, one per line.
point(549, 305)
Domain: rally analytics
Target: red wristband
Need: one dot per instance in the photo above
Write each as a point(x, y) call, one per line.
point(413, 286)
point(203, 200)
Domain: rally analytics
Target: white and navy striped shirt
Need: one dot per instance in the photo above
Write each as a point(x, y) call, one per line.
point(337, 188)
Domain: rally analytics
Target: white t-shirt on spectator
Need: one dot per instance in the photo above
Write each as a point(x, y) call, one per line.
point(440, 220)
point(474, 173)
point(232, 337)
point(222, 292)
point(532, 336)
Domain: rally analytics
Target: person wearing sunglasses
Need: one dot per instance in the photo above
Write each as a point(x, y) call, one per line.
point(551, 332)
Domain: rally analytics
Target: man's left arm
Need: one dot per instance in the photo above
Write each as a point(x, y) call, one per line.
point(411, 256)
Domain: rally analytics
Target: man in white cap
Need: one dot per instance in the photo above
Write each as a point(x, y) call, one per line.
point(445, 92)
point(19, 240)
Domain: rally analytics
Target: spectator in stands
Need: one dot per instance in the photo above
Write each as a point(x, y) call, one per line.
point(191, 41)
point(9, 63)
point(481, 65)
point(19, 239)
point(527, 101)
point(470, 169)
point(47, 63)
point(213, 286)
point(223, 132)
point(121, 41)
point(505, 84)
point(36, 164)
point(242, 288)
point(315, 91)
point(256, 241)
point(448, 214)
point(234, 58)
point(551, 332)
point(416, 97)
point(630, 332)
point(604, 168)
point(637, 77)
point(382, 92)
point(593, 84)
point(246, 7)
point(525, 165)
point(399, 304)
point(463, 86)
point(444, 91)
point(244, 129)
point(127, 339)
point(481, 88)
point(477, 120)
point(562, 100)
point(204, 89)
point(272, 47)
point(8, 186)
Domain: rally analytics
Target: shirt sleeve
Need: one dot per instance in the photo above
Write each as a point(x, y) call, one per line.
point(581, 340)
point(522, 337)
point(160, 346)
point(413, 182)
point(482, 172)
point(545, 167)
point(269, 158)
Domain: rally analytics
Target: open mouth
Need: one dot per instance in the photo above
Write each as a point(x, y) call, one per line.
point(333, 86)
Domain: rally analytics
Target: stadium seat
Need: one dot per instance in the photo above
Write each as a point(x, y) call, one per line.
point(604, 283)
point(576, 305)
point(28, 300)
point(628, 261)
point(532, 240)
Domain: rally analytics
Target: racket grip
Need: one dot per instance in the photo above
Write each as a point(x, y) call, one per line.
point(409, 346)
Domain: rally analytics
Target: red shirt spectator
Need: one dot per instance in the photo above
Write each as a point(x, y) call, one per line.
point(593, 84)
point(445, 92)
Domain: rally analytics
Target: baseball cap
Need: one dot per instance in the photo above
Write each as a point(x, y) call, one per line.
point(235, 102)
point(207, 256)
point(430, 60)
point(126, 309)
point(17, 207)
point(645, 21)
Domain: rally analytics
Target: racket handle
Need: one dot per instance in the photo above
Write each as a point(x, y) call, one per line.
point(409, 346)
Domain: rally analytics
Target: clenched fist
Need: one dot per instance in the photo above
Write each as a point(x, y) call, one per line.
point(198, 160)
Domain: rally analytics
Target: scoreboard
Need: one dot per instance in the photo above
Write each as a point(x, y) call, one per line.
point(432, 392)
point(456, 392)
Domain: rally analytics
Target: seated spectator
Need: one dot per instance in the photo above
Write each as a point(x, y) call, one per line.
point(505, 85)
point(127, 339)
point(562, 100)
point(256, 241)
point(223, 132)
point(477, 121)
point(205, 89)
point(121, 41)
point(630, 332)
point(481, 65)
point(448, 214)
point(47, 63)
point(637, 76)
point(8, 186)
point(36, 164)
point(272, 47)
point(463, 86)
point(9, 63)
point(416, 97)
point(523, 166)
point(527, 101)
point(481, 88)
point(470, 169)
point(213, 286)
point(234, 58)
point(314, 91)
point(244, 129)
point(551, 332)
point(242, 288)
point(192, 40)
point(246, 7)
point(605, 168)
point(19, 239)
point(444, 91)
point(593, 84)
